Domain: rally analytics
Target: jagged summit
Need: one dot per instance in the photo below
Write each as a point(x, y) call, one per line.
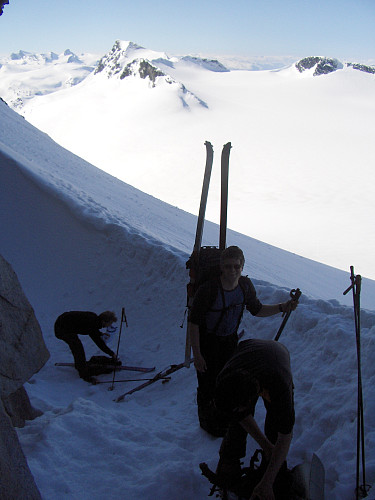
point(135, 51)
point(324, 65)
point(127, 59)
point(319, 65)
point(122, 54)
point(72, 57)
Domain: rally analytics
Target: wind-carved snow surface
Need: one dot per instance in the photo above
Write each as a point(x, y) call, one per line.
point(301, 168)
point(79, 238)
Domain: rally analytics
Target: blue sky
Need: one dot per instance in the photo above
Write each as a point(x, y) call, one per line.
point(337, 28)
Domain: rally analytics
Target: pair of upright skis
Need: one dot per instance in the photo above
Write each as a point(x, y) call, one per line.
point(224, 195)
point(200, 224)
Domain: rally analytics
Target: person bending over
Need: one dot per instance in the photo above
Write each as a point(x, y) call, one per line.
point(258, 368)
point(73, 323)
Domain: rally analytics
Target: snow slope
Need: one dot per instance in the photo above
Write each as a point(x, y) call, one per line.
point(79, 238)
point(301, 165)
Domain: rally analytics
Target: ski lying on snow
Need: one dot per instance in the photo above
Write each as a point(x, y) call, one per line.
point(162, 375)
point(116, 367)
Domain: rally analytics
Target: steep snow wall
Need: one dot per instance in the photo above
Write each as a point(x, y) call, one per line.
point(60, 257)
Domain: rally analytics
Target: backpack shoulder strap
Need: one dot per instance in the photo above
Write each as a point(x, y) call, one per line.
point(243, 283)
point(213, 288)
point(216, 287)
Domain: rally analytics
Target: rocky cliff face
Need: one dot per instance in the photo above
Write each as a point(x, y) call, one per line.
point(325, 65)
point(322, 65)
point(362, 67)
point(22, 354)
point(22, 349)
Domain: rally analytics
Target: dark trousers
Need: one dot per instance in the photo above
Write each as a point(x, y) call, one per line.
point(233, 446)
point(76, 347)
point(216, 352)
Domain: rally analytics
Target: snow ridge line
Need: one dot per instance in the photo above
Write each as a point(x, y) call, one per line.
point(89, 211)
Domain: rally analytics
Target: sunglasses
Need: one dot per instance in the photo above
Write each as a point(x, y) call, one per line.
point(235, 266)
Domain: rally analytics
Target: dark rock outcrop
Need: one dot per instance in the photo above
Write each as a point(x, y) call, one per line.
point(22, 354)
point(323, 65)
point(362, 67)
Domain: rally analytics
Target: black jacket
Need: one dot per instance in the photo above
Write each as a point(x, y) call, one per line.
point(206, 296)
point(81, 323)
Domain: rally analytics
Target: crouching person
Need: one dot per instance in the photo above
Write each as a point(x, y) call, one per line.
point(258, 368)
point(73, 323)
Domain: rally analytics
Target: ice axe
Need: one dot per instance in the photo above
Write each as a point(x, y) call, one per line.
point(295, 294)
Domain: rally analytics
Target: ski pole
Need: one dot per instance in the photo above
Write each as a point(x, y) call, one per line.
point(128, 380)
point(295, 295)
point(123, 319)
point(361, 490)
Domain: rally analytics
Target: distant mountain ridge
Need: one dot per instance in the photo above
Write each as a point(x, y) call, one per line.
point(127, 59)
point(143, 116)
point(24, 75)
point(123, 54)
point(326, 65)
point(29, 57)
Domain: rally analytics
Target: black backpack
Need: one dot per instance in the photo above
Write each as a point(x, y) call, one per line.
point(203, 266)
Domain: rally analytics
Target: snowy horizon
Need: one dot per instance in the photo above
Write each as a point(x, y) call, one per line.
point(301, 141)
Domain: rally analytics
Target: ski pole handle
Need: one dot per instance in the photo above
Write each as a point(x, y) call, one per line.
point(295, 294)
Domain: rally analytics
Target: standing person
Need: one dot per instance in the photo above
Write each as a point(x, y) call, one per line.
point(73, 323)
point(214, 320)
point(258, 368)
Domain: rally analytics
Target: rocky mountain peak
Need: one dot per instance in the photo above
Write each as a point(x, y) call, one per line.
point(362, 67)
point(122, 54)
point(71, 57)
point(321, 65)
point(325, 65)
